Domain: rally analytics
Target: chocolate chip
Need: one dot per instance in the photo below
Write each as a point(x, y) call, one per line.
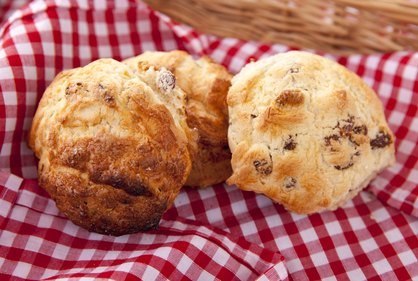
point(262, 167)
point(291, 97)
point(166, 80)
point(108, 98)
point(329, 138)
point(290, 182)
point(73, 89)
point(347, 128)
point(254, 116)
point(289, 144)
point(106, 95)
point(339, 167)
point(360, 130)
point(381, 140)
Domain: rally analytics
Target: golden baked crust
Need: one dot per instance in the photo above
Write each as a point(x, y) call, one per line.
point(206, 84)
point(114, 145)
point(306, 132)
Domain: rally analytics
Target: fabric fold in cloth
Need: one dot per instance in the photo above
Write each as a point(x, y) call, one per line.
point(180, 248)
point(9, 186)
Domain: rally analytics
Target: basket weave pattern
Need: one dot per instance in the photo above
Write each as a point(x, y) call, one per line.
point(342, 27)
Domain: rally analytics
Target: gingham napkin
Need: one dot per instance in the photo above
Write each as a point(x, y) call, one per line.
point(219, 232)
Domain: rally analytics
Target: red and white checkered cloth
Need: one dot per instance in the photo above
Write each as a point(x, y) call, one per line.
point(219, 232)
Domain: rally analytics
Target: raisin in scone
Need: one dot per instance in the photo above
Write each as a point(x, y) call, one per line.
point(306, 132)
point(114, 145)
point(206, 84)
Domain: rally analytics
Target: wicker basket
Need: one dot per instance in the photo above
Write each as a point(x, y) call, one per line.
point(341, 27)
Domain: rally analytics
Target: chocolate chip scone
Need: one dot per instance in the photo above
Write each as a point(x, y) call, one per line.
point(114, 145)
point(306, 132)
point(206, 84)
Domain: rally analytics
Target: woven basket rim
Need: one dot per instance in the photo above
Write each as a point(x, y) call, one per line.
point(340, 26)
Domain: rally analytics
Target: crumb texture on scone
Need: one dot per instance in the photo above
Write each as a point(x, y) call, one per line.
point(306, 132)
point(114, 145)
point(206, 84)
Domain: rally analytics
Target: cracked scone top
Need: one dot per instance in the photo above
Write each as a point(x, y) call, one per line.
point(206, 84)
point(114, 145)
point(306, 132)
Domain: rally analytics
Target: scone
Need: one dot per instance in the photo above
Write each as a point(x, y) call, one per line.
point(306, 132)
point(206, 84)
point(114, 145)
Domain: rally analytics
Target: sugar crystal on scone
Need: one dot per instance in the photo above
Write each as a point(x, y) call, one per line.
point(306, 132)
